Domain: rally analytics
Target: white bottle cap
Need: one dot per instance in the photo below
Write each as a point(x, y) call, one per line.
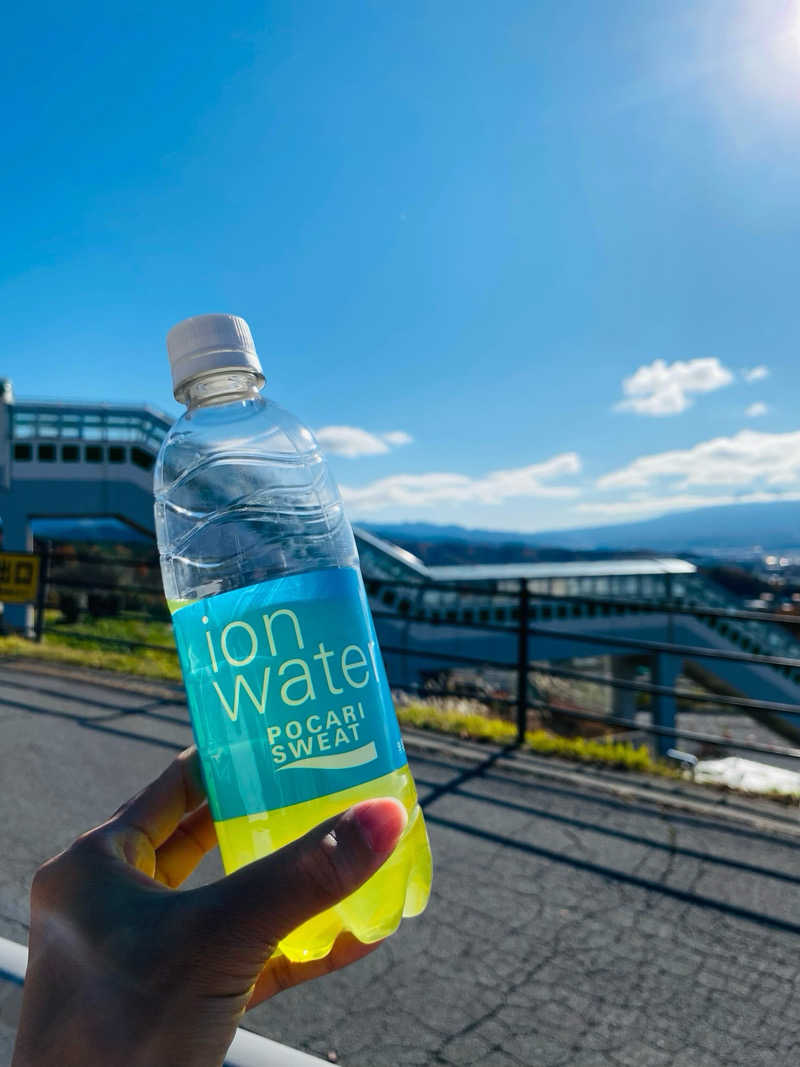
point(209, 343)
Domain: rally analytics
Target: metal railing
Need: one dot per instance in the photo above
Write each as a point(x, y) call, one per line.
point(134, 584)
point(544, 615)
point(54, 420)
point(525, 617)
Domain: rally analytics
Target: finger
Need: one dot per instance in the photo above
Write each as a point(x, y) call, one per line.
point(160, 806)
point(270, 897)
point(194, 836)
point(281, 973)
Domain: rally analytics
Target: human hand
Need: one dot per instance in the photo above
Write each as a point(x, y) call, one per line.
point(124, 971)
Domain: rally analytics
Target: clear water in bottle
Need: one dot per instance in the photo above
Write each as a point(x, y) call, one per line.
point(287, 692)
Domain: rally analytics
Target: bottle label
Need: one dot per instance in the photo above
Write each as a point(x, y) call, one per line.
point(287, 691)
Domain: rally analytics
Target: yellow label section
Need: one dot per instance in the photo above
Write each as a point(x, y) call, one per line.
point(248, 837)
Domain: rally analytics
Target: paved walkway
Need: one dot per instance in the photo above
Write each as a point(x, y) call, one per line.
point(575, 921)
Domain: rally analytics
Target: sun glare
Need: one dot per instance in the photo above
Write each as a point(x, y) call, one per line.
point(764, 38)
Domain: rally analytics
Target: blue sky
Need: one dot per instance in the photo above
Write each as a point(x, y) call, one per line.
point(550, 248)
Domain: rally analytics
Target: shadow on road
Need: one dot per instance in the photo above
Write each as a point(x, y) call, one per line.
point(111, 715)
point(454, 787)
point(650, 809)
point(622, 835)
point(100, 723)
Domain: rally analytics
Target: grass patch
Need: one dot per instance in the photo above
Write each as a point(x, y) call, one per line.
point(121, 628)
point(60, 648)
point(619, 754)
point(92, 647)
point(473, 726)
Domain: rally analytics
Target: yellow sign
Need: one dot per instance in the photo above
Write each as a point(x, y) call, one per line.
point(19, 577)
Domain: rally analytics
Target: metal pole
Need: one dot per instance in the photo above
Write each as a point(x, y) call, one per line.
point(41, 592)
point(522, 662)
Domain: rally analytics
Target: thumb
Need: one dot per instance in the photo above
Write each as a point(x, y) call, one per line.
point(255, 907)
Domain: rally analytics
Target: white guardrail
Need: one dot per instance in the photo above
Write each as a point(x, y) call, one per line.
point(247, 1049)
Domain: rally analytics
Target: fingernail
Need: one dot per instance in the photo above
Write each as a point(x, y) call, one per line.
point(381, 822)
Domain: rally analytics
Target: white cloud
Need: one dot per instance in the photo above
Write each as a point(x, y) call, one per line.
point(661, 388)
point(351, 441)
point(756, 409)
point(748, 459)
point(422, 490)
point(756, 374)
point(397, 437)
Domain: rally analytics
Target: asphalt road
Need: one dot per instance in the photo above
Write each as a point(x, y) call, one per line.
point(574, 921)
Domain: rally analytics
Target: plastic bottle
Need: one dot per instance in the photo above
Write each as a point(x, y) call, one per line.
point(289, 702)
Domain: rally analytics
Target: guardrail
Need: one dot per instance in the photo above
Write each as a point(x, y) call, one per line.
point(528, 616)
point(247, 1049)
point(537, 615)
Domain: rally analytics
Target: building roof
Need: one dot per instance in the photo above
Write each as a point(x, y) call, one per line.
point(488, 572)
point(374, 548)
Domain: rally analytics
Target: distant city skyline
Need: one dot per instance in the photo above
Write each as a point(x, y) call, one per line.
point(524, 268)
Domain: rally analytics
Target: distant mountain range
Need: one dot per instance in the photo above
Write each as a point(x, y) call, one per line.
point(773, 527)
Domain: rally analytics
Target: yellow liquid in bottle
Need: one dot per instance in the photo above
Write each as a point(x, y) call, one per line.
point(400, 888)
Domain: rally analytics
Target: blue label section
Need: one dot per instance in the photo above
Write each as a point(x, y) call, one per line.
point(287, 691)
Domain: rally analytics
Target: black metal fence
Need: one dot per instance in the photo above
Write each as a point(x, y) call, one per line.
point(80, 584)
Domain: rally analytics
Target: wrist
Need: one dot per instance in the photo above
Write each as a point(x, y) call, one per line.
point(87, 1025)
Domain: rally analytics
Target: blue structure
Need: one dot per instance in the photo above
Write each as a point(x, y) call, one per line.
point(71, 463)
point(423, 614)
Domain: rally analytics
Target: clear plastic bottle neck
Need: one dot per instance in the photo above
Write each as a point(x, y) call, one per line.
point(222, 387)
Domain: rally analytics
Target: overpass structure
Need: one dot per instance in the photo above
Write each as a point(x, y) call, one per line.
point(94, 462)
point(657, 618)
